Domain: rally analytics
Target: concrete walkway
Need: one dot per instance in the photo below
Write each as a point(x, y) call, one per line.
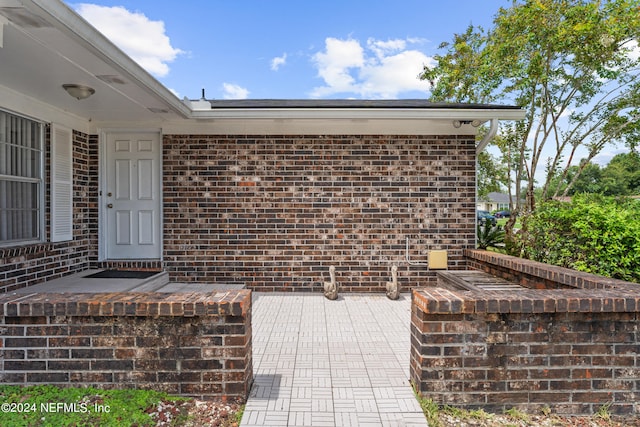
point(331, 363)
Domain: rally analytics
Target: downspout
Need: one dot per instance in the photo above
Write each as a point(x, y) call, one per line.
point(493, 130)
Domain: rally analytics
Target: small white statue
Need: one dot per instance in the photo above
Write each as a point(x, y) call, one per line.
point(331, 288)
point(393, 289)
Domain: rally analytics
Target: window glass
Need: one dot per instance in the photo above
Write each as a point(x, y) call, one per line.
point(21, 190)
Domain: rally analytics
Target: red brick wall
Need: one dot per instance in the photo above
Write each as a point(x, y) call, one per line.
point(29, 264)
point(200, 347)
point(275, 212)
point(572, 350)
point(573, 363)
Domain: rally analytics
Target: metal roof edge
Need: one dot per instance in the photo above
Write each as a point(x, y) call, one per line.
point(462, 114)
point(351, 103)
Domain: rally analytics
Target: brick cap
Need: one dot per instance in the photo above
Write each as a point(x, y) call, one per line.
point(444, 301)
point(562, 275)
point(226, 303)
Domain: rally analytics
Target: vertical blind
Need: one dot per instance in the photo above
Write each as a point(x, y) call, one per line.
point(20, 179)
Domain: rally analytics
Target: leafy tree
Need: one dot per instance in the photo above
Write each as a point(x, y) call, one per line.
point(621, 177)
point(492, 175)
point(589, 180)
point(569, 63)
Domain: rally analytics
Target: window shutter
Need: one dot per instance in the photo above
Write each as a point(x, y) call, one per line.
point(61, 184)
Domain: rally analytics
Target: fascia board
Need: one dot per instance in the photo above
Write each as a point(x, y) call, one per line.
point(362, 113)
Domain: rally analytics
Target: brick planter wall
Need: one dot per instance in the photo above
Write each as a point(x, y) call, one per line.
point(536, 275)
point(275, 212)
point(187, 344)
point(572, 350)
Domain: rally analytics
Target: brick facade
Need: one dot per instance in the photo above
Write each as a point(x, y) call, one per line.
point(275, 212)
point(572, 350)
point(197, 346)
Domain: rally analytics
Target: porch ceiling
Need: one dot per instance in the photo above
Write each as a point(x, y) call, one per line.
point(42, 48)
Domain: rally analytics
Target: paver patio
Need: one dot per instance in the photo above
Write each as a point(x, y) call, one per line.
point(331, 363)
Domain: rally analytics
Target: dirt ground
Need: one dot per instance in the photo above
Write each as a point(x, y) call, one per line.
point(197, 413)
point(536, 421)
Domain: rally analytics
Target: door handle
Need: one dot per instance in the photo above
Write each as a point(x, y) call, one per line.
point(110, 205)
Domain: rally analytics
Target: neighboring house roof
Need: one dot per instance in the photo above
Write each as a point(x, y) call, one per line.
point(495, 197)
point(45, 44)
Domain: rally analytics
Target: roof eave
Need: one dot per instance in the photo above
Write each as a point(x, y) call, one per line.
point(67, 21)
point(483, 114)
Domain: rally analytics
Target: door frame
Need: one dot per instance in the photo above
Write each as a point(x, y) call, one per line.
point(102, 185)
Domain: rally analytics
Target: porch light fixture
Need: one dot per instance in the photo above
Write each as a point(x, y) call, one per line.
point(79, 91)
point(458, 123)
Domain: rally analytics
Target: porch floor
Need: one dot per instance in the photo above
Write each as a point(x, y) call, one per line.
point(80, 283)
point(316, 362)
point(331, 363)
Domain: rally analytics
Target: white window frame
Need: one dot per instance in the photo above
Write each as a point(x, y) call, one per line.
point(38, 179)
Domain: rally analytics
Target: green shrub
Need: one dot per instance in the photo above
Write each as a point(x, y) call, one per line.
point(490, 236)
point(592, 233)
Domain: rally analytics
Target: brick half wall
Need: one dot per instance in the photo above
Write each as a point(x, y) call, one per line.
point(570, 341)
point(573, 363)
point(187, 344)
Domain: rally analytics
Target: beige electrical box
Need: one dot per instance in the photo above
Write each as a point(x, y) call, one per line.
point(438, 260)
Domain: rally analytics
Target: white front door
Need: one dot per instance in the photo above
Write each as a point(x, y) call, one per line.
point(132, 196)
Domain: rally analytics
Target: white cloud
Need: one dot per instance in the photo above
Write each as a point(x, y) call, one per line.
point(139, 37)
point(607, 154)
point(384, 48)
point(335, 64)
point(278, 61)
point(382, 69)
point(233, 91)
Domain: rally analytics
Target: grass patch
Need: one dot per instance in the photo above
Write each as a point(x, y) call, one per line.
point(237, 417)
point(603, 412)
point(468, 414)
point(450, 416)
point(430, 409)
point(432, 412)
point(46, 405)
point(517, 414)
point(503, 221)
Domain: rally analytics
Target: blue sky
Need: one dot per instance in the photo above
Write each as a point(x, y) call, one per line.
point(284, 48)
